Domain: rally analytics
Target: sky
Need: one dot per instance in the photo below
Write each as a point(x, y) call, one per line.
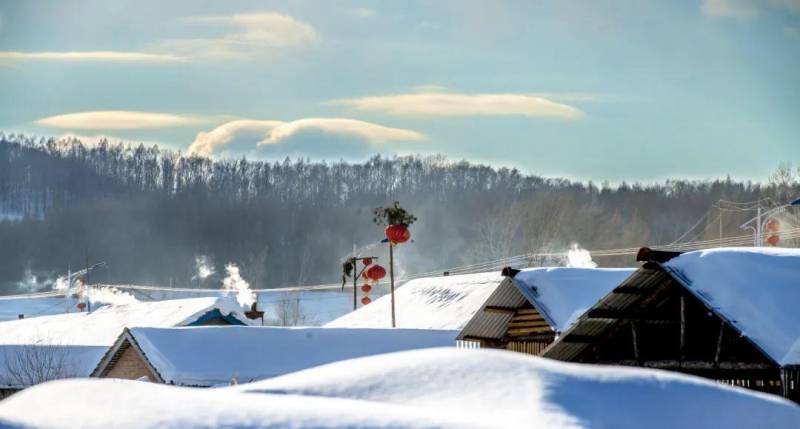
point(589, 90)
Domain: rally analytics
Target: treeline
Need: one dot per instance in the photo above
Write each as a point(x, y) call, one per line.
point(154, 215)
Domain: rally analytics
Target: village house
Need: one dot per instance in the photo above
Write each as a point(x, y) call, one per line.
point(444, 302)
point(214, 356)
point(531, 307)
point(727, 314)
point(72, 344)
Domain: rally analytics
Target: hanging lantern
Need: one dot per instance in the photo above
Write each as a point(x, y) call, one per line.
point(773, 225)
point(367, 261)
point(366, 288)
point(397, 233)
point(81, 306)
point(773, 240)
point(375, 272)
point(365, 300)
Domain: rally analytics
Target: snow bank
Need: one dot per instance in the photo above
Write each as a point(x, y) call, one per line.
point(428, 303)
point(756, 289)
point(564, 294)
point(212, 355)
point(424, 388)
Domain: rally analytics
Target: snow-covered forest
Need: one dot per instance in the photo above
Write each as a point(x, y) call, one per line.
point(155, 215)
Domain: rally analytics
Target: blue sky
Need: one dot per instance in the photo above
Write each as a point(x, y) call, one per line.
point(591, 90)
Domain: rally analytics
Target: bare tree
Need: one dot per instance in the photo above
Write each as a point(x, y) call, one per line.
point(289, 312)
point(29, 364)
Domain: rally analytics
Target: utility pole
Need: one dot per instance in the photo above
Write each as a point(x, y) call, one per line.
point(391, 278)
point(88, 301)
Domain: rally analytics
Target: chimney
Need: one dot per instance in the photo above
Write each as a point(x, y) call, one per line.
point(254, 313)
point(509, 272)
point(647, 254)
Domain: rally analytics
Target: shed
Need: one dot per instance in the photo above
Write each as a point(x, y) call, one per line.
point(213, 356)
point(531, 307)
point(728, 314)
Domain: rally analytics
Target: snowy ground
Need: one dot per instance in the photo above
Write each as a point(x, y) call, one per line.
point(426, 388)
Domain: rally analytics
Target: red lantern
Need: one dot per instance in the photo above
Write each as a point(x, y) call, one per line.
point(365, 300)
point(375, 272)
point(773, 225)
point(773, 240)
point(367, 261)
point(397, 233)
point(81, 306)
point(366, 288)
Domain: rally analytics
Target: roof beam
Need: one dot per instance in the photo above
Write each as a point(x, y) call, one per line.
point(499, 310)
point(629, 289)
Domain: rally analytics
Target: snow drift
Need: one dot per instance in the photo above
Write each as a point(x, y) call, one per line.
point(423, 388)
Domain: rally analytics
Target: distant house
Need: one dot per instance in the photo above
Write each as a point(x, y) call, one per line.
point(531, 307)
point(214, 356)
point(445, 302)
point(726, 314)
point(77, 341)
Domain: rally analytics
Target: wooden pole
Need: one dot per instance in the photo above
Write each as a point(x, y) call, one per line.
point(719, 341)
point(391, 278)
point(635, 342)
point(88, 301)
point(355, 281)
point(683, 327)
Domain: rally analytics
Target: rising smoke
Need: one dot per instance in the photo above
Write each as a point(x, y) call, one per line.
point(234, 283)
point(110, 296)
point(578, 257)
point(204, 268)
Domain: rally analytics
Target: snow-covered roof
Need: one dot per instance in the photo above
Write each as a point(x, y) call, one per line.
point(213, 355)
point(757, 290)
point(446, 302)
point(101, 327)
point(442, 388)
point(562, 294)
point(81, 339)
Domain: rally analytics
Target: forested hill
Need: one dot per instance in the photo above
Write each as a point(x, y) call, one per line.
point(153, 215)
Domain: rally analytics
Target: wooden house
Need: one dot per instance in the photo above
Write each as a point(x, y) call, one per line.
point(726, 314)
point(531, 307)
point(77, 341)
point(213, 356)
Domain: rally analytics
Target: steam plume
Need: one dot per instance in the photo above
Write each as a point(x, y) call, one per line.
point(235, 283)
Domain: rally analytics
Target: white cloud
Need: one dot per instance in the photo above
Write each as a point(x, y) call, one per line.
point(104, 56)
point(730, 8)
point(254, 33)
point(118, 120)
point(206, 142)
point(435, 104)
point(270, 133)
point(746, 8)
point(248, 35)
point(362, 12)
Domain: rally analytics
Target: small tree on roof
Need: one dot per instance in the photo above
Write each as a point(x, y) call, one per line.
point(393, 215)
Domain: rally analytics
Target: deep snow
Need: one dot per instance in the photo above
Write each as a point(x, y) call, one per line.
point(213, 355)
point(422, 388)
